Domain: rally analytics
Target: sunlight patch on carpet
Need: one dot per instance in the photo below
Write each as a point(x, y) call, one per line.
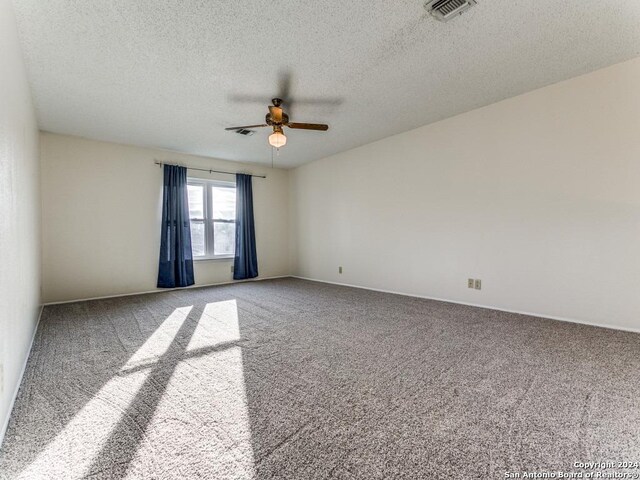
point(74, 449)
point(206, 394)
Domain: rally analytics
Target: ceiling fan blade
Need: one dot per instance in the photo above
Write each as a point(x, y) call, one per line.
point(247, 127)
point(276, 114)
point(284, 85)
point(309, 126)
point(285, 79)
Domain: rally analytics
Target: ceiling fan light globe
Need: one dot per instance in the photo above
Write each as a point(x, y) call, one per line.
point(277, 140)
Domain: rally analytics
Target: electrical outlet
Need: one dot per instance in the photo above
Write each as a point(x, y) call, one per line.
point(340, 270)
point(478, 284)
point(470, 283)
point(231, 268)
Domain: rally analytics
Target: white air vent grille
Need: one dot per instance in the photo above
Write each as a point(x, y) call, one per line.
point(445, 10)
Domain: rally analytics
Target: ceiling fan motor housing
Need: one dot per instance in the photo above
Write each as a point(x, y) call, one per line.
point(269, 121)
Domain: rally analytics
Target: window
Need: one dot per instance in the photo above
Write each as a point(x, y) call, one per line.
point(212, 211)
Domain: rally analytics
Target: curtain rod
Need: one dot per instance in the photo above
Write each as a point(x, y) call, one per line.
point(207, 170)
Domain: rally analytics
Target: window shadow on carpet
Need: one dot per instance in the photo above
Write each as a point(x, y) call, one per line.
point(300, 380)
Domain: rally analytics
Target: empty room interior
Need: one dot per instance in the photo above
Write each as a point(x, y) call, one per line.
point(278, 239)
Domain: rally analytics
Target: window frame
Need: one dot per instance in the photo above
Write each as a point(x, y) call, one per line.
point(208, 219)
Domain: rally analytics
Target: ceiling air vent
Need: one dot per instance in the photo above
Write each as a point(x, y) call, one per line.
point(445, 10)
point(245, 132)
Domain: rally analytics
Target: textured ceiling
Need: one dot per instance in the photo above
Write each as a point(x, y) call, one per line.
point(173, 73)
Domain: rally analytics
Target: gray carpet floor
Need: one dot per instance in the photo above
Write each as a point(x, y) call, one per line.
point(292, 379)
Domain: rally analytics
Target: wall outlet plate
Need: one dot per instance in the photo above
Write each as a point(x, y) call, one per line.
point(478, 284)
point(470, 283)
point(231, 268)
point(339, 269)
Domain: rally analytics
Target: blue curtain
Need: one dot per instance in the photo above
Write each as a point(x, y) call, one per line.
point(176, 259)
point(245, 263)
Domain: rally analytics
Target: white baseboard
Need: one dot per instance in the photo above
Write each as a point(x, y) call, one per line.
point(489, 307)
point(5, 423)
point(161, 290)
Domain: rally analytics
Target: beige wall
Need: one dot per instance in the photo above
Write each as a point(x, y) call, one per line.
point(102, 211)
point(538, 196)
point(19, 214)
